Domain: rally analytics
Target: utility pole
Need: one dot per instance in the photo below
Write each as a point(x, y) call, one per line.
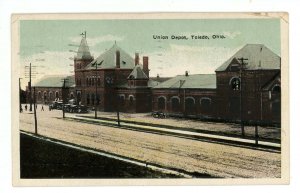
point(118, 110)
point(242, 60)
point(20, 95)
point(31, 73)
point(96, 85)
point(34, 110)
point(63, 96)
point(30, 95)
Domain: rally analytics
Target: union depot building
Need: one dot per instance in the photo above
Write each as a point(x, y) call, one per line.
point(247, 85)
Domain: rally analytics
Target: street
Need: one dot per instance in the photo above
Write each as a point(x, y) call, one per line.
point(167, 151)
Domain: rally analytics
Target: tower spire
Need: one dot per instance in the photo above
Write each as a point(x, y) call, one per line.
point(83, 34)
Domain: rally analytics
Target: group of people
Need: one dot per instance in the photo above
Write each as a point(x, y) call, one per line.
point(26, 107)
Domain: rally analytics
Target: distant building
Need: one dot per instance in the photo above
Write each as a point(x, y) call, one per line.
point(246, 86)
point(51, 88)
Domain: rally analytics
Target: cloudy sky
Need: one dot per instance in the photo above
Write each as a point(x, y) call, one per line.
point(51, 45)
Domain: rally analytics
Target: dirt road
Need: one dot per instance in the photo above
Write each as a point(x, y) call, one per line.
point(172, 152)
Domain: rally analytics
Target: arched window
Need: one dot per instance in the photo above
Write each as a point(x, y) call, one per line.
point(50, 95)
point(93, 99)
point(276, 89)
point(235, 83)
point(90, 81)
point(87, 81)
point(205, 104)
point(131, 98)
point(71, 95)
point(190, 105)
point(39, 95)
point(98, 99)
point(78, 96)
point(45, 96)
point(56, 95)
point(122, 100)
point(98, 81)
point(161, 103)
point(87, 99)
point(175, 102)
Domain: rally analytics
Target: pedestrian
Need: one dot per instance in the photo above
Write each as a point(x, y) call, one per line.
point(21, 110)
point(26, 107)
point(49, 107)
point(42, 108)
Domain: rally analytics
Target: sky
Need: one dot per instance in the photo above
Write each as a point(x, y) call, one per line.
point(50, 45)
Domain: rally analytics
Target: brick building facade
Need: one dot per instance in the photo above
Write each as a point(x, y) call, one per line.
point(245, 87)
point(52, 88)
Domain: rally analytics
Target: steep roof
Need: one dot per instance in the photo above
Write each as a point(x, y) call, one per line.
point(55, 81)
point(258, 55)
point(108, 59)
point(83, 50)
point(137, 73)
point(190, 81)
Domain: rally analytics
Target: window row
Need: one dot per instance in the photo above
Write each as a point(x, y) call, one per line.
point(189, 103)
point(93, 81)
point(45, 96)
point(92, 99)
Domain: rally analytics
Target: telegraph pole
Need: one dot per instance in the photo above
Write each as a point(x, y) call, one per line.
point(34, 110)
point(63, 95)
point(20, 95)
point(118, 110)
point(30, 95)
point(242, 60)
point(96, 85)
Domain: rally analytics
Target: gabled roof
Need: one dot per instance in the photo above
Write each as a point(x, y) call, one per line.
point(201, 81)
point(55, 81)
point(108, 59)
point(259, 58)
point(83, 50)
point(137, 73)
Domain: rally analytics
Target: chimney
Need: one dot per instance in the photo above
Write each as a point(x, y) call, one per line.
point(137, 59)
point(118, 59)
point(145, 65)
point(186, 73)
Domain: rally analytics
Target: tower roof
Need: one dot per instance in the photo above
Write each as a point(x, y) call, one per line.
point(259, 58)
point(83, 50)
point(108, 59)
point(137, 73)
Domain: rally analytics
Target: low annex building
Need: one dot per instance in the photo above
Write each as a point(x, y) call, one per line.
point(54, 88)
point(246, 86)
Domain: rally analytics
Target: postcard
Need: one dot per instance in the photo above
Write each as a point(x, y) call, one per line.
point(150, 99)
